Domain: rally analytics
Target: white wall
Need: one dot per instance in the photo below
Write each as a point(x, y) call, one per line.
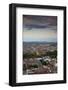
point(4, 44)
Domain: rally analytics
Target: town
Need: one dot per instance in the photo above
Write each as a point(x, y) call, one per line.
point(39, 58)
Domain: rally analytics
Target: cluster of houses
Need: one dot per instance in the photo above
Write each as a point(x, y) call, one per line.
point(51, 67)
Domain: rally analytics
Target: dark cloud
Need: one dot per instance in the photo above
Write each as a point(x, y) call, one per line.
point(35, 21)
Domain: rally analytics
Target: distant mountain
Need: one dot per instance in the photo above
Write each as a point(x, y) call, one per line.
point(41, 42)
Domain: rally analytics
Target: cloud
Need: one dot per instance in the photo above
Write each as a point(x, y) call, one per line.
point(40, 28)
point(34, 21)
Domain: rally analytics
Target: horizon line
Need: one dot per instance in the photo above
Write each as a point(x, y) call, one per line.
point(39, 41)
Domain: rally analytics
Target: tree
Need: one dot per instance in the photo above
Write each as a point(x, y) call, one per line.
point(35, 66)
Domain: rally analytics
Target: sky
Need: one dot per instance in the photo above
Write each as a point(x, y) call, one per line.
point(39, 28)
